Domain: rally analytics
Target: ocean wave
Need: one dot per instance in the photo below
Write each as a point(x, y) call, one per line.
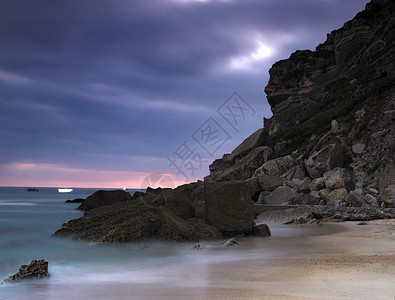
point(17, 204)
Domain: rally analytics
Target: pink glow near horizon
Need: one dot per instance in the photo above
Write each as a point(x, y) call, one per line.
point(44, 175)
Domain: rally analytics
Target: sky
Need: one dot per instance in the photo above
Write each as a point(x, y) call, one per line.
point(112, 94)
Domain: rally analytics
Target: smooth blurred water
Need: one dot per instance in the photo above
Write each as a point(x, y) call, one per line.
point(82, 270)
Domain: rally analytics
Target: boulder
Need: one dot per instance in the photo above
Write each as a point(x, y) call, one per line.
point(358, 187)
point(299, 173)
point(135, 221)
point(253, 141)
point(199, 209)
point(261, 230)
point(371, 200)
point(154, 197)
point(203, 231)
point(37, 269)
point(179, 200)
point(269, 183)
point(261, 198)
point(312, 198)
point(334, 126)
point(317, 184)
point(339, 178)
point(276, 167)
point(231, 242)
point(102, 198)
point(372, 191)
point(324, 194)
point(288, 175)
point(355, 199)
point(387, 196)
point(198, 201)
point(358, 148)
point(245, 167)
point(336, 196)
point(253, 188)
point(328, 158)
point(304, 185)
point(229, 207)
point(281, 195)
point(176, 229)
point(124, 222)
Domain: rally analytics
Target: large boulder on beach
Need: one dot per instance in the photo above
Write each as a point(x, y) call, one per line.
point(335, 197)
point(269, 183)
point(339, 178)
point(253, 187)
point(355, 199)
point(387, 197)
point(37, 269)
point(180, 201)
point(101, 198)
point(325, 159)
point(276, 167)
point(135, 221)
point(280, 196)
point(229, 207)
point(176, 229)
point(123, 222)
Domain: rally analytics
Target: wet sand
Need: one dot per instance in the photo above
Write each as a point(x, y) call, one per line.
point(356, 263)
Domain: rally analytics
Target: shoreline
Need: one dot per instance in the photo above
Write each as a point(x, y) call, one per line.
point(357, 262)
point(312, 261)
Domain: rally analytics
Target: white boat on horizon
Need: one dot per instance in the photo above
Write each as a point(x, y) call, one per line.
point(63, 190)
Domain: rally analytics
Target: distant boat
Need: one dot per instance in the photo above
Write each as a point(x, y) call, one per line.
point(65, 190)
point(32, 189)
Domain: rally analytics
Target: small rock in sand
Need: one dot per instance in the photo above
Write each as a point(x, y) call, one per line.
point(231, 242)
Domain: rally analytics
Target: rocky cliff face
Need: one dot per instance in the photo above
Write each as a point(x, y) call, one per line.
point(361, 51)
point(333, 121)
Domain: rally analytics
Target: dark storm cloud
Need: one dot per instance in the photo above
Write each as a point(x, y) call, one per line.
point(87, 79)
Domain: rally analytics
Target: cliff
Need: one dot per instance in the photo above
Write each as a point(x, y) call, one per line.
point(333, 117)
point(348, 81)
point(361, 52)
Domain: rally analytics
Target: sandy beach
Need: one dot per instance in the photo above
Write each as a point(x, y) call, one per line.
point(316, 261)
point(356, 263)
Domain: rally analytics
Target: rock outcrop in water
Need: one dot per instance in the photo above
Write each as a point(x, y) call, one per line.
point(37, 269)
point(135, 220)
point(327, 154)
point(188, 213)
point(102, 198)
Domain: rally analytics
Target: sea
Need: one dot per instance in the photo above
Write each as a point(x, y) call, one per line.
point(139, 270)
